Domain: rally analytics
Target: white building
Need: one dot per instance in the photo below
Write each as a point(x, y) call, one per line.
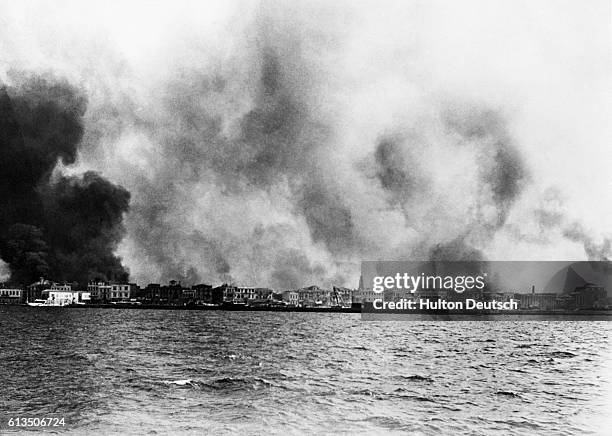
point(12, 296)
point(65, 298)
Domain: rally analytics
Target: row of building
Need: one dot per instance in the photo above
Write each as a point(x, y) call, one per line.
point(202, 294)
point(173, 294)
point(588, 296)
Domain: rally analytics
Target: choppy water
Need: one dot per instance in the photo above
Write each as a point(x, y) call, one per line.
point(159, 372)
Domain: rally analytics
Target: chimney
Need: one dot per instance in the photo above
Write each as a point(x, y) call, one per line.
point(533, 289)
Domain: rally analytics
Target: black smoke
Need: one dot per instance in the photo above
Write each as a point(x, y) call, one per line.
point(62, 227)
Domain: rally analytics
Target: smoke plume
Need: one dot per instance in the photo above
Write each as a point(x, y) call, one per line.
point(61, 227)
point(281, 144)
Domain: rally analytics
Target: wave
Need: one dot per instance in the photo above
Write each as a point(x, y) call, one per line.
point(223, 383)
point(562, 354)
point(185, 382)
point(417, 377)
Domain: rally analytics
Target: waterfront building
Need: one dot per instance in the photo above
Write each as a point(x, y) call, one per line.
point(100, 291)
point(103, 292)
point(171, 294)
point(292, 298)
point(589, 296)
point(243, 295)
point(249, 295)
point(189, 296)
point(263, 293)
point(538, 301)
point(313, 296)
point(12, 296)
point(151, 293)
point(263, 297)
point(364, 295)
point(227, 292)
point(34, 290)
point(65, 298)
point(206, 294)
point(120, 292)
point(135, 292)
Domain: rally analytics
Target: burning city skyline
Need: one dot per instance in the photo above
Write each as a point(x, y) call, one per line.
point(278, 144)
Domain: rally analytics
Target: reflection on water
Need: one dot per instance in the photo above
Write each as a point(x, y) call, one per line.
point(158, 371)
